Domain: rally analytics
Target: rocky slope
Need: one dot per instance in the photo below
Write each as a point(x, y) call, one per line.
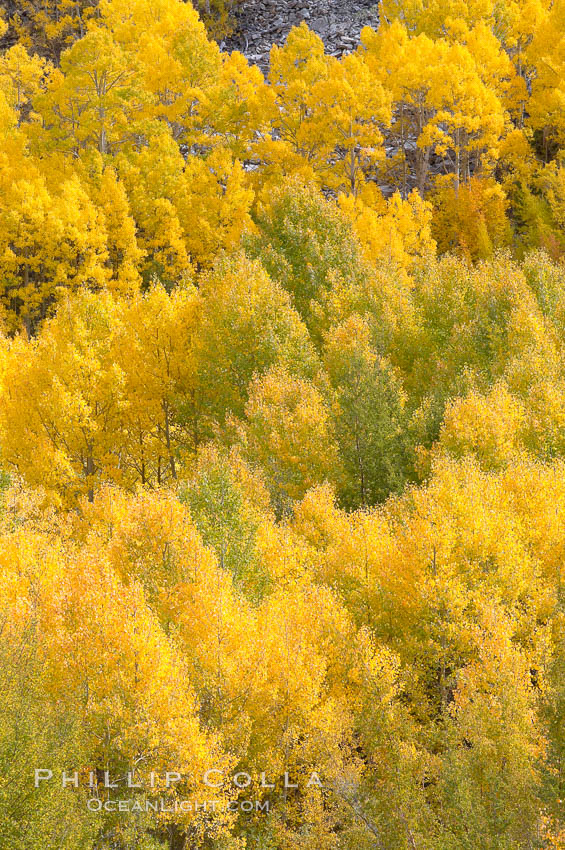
point(262, 23)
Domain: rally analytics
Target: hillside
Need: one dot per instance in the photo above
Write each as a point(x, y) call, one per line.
point(282, 426)
point(259, 24)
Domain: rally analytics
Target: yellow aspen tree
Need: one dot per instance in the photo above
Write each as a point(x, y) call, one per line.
point(488, 427)
point(547, 55)
point(404, 66)
point(124, 254)
point(177, 63)
point(151, 178)
point(441, 102)
point(152, 541)
point(508, 27)
point(35, 729)
point(66, 399)
point(397, 231)
point(331, 112)
point(431, 18)
point(152, 344)
point(471, 219)
point(294, 69)
point(93, 101)
point(469, 120)
point(287, 433)
point(489, 779)
point(140, 710)
point(23, 76)
point(238, 110)
point(213, 202)
point(51, 242)
point(185, 209)
point(349, 110)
